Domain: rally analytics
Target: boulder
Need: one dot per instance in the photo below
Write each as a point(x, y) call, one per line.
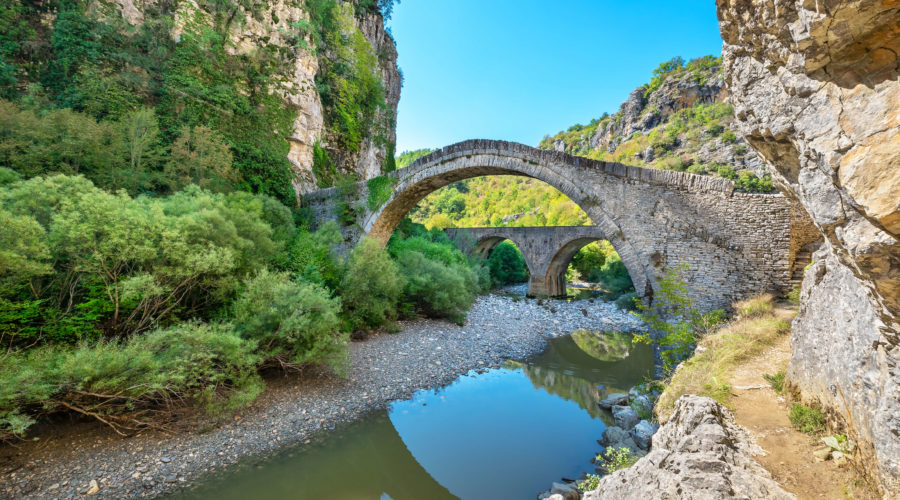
point(615, 399)
point(699, 453)
point(642, 405)
point(560, 491)
point(613, 434)
point(643, 432)
point(625, 417)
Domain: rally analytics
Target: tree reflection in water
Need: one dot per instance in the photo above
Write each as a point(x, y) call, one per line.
point(587, 366)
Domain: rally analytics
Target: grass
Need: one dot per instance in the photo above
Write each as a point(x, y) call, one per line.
point(807, 419)
point(755, 307)
point(776, 381)
point(719, 352)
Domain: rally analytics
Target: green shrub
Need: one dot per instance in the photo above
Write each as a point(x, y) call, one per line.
point(507, 265)
point(728, 137)
point(726, 172)
point(807, 419)
point(614, 459)
point(440, 281)
point(589, 257)
point(677, 337)
point(371, 287)
point(380, 189)
point(589, 483)
point(794, 295)
point(613, 277)
point(748, 181)
point(8, 176)
point(438, 289)
point(311, 256)
point(626, 301)
point(125, 265)
point(293, 323)
point(207, 363)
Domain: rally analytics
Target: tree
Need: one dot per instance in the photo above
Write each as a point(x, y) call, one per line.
point(201, 156)
point(142, 146)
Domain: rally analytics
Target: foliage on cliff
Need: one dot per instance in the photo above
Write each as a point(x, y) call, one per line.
point(129, 94)
point(679, 121)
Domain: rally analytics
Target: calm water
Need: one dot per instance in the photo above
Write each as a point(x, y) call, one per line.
point(505, 433)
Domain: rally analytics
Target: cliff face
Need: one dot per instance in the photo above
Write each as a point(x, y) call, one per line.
point(285, 25)
point(815, 90)
point(680, 120)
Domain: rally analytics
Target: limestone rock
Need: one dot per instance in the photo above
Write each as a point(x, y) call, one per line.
point(617, 437)
point(625, 417)
point(560, 491)
point(816, 91)
point(643, 432)
point(614, 399)
point(699, 453)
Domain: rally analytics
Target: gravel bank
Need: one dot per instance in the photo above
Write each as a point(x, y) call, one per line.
point(86, 457)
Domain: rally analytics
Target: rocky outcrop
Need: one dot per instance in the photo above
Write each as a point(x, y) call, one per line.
point(699, 453)
point(816, 92)
point(646, 112)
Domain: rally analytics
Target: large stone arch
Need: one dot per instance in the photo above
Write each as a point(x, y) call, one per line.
point(736, 244)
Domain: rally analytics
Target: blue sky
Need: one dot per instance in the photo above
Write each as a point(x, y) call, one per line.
point(520, 69)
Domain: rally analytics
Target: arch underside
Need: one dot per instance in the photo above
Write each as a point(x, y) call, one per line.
point(555, 277)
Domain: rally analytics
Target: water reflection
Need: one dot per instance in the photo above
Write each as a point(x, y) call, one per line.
point(505, 433)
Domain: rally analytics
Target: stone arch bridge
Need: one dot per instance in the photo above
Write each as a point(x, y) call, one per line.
point(547, 251)
point(735, 244)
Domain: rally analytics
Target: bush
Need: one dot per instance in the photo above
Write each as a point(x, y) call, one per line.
point(440, 281)
point(507, 265)
point(115, 383)
point(311, 256)
point(438, 289)
point(613, 277)
point(125, 265)
point(627, 302)
point(614, 459)
point(728, 137)
point(371, 287)
point(807, 419)
point(674, 318)
point(293, 323)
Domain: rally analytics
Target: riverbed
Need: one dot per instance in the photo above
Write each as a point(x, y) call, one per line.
point(426, 354)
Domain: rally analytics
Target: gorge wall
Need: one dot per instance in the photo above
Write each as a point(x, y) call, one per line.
point(289, 27)
point(815, 90)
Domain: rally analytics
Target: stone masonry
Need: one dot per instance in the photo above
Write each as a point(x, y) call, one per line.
point(547, 251)
point(735, 244)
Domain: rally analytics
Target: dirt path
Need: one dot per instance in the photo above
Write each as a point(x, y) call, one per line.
point(789, 453)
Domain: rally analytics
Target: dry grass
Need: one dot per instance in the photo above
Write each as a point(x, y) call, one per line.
point(706, 373)
point(756, 306)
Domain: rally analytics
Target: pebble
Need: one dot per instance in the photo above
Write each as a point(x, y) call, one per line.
point(432, 354)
